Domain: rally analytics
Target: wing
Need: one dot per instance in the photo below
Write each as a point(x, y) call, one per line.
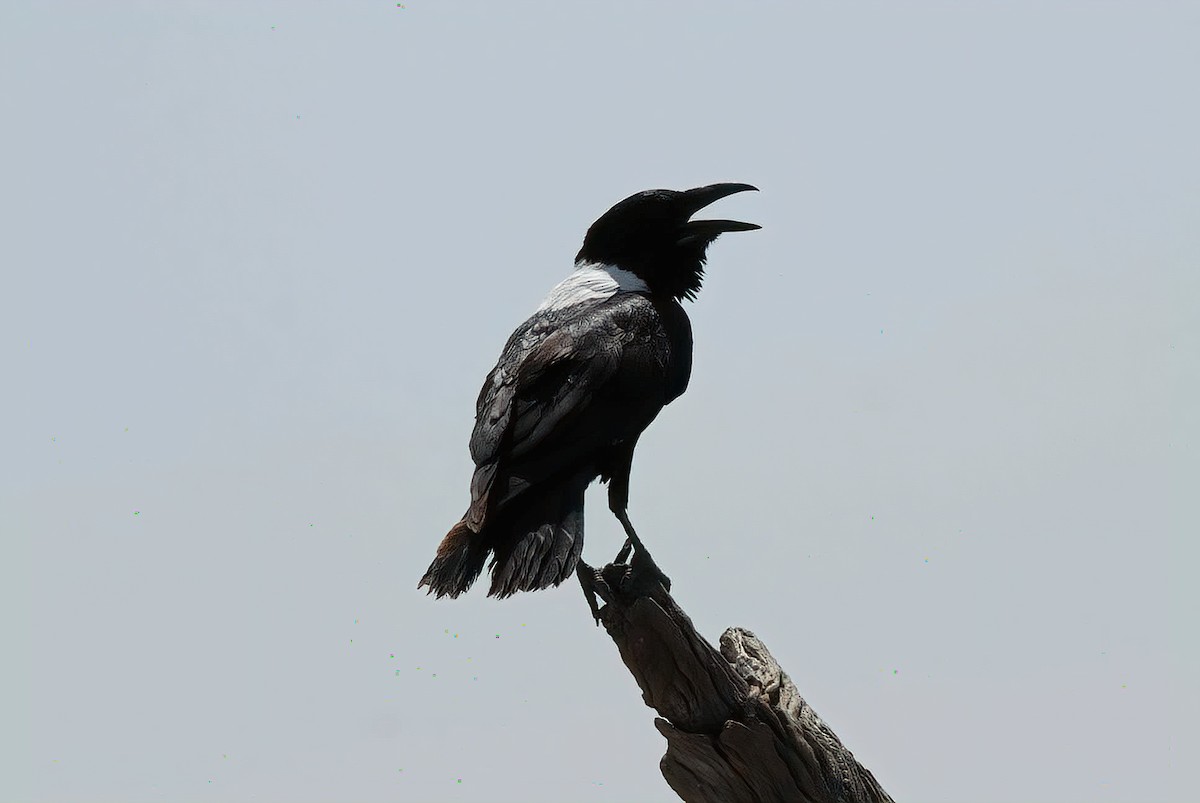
point(566, 390)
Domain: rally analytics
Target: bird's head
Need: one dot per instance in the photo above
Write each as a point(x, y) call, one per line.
point(652, 235)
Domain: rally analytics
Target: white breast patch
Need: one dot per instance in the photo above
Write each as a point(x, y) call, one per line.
point(592, 281)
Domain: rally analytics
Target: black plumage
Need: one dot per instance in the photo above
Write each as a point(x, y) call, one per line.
point(574, 388)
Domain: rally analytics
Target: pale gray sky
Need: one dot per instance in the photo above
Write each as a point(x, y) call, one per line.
point(939, 450)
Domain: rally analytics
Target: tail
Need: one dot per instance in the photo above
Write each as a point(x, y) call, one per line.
point(537, 542)
point(460, 558)
point(544, 541)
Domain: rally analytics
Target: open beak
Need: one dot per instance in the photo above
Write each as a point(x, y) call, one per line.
point(692, 201)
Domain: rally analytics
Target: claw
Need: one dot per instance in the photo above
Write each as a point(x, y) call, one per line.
point(587, 581)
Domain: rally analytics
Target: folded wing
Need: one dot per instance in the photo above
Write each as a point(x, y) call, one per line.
point(560, 398)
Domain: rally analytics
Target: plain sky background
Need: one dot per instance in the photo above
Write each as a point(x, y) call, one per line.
point(939, 449)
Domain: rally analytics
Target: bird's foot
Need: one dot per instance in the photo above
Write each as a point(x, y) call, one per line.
point(587, 581)
point(644, 568)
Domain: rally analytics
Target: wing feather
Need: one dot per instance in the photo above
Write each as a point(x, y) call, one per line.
point(562, 391)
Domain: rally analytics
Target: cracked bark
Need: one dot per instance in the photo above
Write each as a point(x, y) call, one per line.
point(736, 728)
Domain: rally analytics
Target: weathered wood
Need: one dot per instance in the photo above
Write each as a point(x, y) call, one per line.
point(736, 728)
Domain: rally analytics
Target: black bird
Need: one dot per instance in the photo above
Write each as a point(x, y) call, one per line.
point(575, 386)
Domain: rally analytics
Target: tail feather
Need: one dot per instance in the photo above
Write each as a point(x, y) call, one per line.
point(545, 544)
point(460, 558)
point(533, 545)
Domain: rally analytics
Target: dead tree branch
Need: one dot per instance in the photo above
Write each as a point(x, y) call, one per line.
point(736, 728)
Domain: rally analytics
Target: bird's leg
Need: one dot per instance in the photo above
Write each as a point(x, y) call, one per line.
point(623, 555)
point(587, 580)
point(618, 503)
point(618, 496)
point(641, 558)
point(631, 537)
point(619, 466)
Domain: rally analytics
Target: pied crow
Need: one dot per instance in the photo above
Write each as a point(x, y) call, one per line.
point(575, 386)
